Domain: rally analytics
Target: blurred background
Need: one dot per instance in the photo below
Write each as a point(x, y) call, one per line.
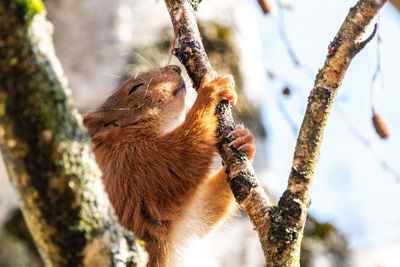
point(354, 214)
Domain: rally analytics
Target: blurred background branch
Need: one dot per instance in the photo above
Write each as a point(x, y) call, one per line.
point(47, 151)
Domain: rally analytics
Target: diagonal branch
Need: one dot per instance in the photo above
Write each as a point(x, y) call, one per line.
point(288, 218)
point(241, 175)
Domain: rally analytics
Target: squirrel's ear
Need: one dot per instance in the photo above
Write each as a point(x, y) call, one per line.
point(94, 122)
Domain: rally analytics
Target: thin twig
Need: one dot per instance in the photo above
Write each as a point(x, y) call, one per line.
point(287, 43)
point(377, 71)
point(367, 143)
point(281, 104)
point(351, 127)
point(370, 37)
point(288, 118)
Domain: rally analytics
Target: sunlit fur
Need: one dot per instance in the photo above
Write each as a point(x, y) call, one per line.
point(157, 174)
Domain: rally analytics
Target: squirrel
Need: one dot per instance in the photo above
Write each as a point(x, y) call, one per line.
point(156, 168)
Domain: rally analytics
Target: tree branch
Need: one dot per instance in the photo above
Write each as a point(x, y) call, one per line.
point(241, 175)
point(288, 218)
point(47, 151)
point(280, 227)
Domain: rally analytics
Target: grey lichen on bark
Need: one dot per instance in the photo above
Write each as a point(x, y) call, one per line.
point(47, 151)
point(280, 227)
point(190, 51)
point(241, 175)
point(195, 3)
point(288, 218)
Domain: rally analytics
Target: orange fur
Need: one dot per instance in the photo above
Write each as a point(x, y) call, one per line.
point(156, 179)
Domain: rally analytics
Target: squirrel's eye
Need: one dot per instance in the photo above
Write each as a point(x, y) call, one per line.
point(110, 123)
point(134, 88)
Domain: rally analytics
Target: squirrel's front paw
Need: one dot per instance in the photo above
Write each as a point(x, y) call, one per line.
point(244, 141)
point(218, 87)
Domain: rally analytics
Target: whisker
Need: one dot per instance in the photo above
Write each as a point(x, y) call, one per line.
point(127, 74)
point(120, 109)
point(160, 61)
point(112, 75)
point(142, 58)
point(163, 62)
point(151, 50)
point(145, 92)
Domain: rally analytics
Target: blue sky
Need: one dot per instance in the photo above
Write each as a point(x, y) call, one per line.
point(351, 190)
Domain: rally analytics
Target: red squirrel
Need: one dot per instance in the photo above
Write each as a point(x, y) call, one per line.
point(156, 166)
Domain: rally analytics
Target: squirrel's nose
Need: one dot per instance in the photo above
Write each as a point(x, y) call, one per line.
point(175, 68)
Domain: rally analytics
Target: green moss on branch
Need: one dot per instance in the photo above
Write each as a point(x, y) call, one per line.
point(47, 151)
point(28, 8)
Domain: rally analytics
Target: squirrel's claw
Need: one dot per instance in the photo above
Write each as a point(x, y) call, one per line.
point(243, 140)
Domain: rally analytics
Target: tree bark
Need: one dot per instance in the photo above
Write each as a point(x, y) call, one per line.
point(288, 218)
point(47, 151)
point(280, 227)
point(241, 175)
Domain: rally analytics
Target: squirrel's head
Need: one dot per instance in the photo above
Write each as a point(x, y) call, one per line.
point(151, 103)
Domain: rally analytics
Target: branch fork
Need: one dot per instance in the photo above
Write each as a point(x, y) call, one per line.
point(280, 227)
